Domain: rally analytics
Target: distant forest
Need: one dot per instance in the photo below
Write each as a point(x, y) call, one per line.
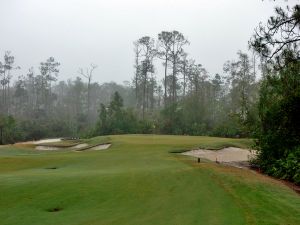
point(187, 101)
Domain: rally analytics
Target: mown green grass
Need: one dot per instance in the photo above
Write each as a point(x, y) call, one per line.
point(137, 181)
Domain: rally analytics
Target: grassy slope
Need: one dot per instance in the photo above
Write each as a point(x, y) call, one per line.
point(138, 182)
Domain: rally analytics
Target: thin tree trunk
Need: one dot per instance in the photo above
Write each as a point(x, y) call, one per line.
point(8, 98)
point(184, 75)
point(1, 135)
point(166, 70)
point(136, 78)
point(144, 95)
point(88, 99)
point(174, 81)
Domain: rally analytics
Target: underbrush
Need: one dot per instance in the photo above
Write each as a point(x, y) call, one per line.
point(287, 168)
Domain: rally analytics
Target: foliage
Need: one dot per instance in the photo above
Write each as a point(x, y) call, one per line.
point(114, 119)
point(279, 103)
point(280, 33)
point(10, 131)
point(172, 120)
point(279, 110)
point(287, 168)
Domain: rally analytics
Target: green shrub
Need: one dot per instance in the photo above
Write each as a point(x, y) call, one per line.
point(279, 135)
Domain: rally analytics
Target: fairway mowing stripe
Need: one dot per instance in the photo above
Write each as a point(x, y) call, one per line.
point(250, 219)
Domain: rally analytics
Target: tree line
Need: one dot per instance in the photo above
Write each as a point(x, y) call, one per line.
point(187, 100)
point(36, 105)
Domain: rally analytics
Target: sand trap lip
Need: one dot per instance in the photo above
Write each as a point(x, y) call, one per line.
point(49, 148)
point(94, 147)
point(47, 141)
point(225, 155)
point(43, 141)
point(79, 147)
point(101, 147)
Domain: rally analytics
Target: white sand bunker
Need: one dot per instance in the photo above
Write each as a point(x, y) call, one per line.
point(41, 141)
point(225, 155)
point(46, 148)
point(49, 148)
point(83, 145)
point(47, 141)
point(101, 147)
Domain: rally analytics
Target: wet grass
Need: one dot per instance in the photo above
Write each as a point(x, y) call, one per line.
point(137, 181)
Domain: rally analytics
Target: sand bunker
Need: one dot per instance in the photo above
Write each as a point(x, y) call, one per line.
point(49, 148)
point(226, 155)
point(80, 146)
point(76, 147)
point(41, 141)
point(46, 141)
point(101, 147)
point(46, 148)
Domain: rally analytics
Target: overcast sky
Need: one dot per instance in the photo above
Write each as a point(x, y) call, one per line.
point(79, 32)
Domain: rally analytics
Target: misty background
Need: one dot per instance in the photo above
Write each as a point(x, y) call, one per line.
point(78, 32)
point(90, 69)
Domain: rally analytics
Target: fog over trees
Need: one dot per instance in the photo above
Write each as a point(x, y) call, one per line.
point(188, 100)
point(255, 96)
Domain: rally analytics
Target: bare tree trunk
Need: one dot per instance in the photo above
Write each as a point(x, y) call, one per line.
point(184, 78)
point(136, 77)
point(144, 95)
point(174, 80)
point(88, 74)
point(88, 98)
point(165, 83)
point(1, 135)
point(136, 88)
point(8, 98)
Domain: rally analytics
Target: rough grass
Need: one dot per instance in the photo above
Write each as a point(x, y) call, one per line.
point(137, 181)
